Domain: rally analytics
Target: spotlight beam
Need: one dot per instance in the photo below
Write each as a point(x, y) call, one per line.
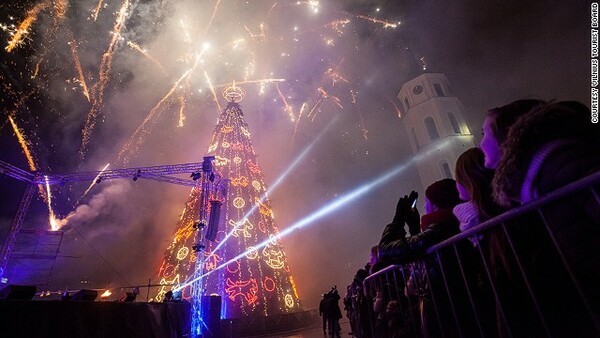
point(331, 207)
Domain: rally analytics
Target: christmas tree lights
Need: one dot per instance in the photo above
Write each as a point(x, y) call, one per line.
point(259, 283)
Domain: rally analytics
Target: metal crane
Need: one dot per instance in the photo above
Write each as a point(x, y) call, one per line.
point(158, 173)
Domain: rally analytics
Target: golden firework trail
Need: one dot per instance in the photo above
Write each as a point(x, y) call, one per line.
point(338, 25)
point(314, 108)
point(23, 30)
point(54, 222)
point(181, 111)
point(259, 81)
point(24, 144)
point(398, 111)
point(365, 131)
point(103, 77)
point(60, 9)
point(322, 96)
point(97, 10)
point(257, 36)
point(77, 63)
point(271, 9)
point(314, 4)
point(287, 108)
point(139, 49)
point(238, 44)
point(251, 67)
point(212, 90)
point(36, 70)
point(302, 109)
point(335, 76)
point(94, 182)
point(186, 33)
point(137, 138)
point(214, 13)
point(326, 95)
point(386, 24)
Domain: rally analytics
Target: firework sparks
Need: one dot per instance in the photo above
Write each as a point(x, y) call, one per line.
point(287, 108)
point(187, 38)
point(138, 136)
point(28, 155)
point(97, 10)
point(398, 111)
point(103, 77)
point(386, 24)
point(77, 63)
point(60, 9)
point(181, 111)
point(335, 77)
point(93, 182)
point(302, 109)
point(314, 110)
point(259, 81)
point(212, 18)
point(36, 69)
point(54, 222)
point(365, 131)
point(261, 36)
point(326, 95)
point(212, 90)
point(139, 49)
point(313, 4)
point(271, 9)
point(23, 30)
point(24, 144)
point(338, 25)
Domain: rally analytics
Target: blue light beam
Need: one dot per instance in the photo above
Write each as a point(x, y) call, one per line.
point(331, 207)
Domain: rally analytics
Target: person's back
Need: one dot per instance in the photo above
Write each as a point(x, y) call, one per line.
point(324, 311)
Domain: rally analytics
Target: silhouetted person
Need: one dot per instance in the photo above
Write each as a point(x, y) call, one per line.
point(335, 314)
point(324, 311)
point(168, 297)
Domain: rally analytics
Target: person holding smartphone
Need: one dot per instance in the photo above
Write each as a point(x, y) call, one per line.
point(437, 224)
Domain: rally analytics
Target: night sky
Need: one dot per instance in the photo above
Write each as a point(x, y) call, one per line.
point(492, 52)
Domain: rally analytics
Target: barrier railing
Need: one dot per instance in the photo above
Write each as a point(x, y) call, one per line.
point(533, 271)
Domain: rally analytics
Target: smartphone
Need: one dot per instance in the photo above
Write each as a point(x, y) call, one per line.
point(414, 203)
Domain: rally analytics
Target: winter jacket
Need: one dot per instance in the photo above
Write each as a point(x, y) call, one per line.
point(396, 248)
point(545, 150)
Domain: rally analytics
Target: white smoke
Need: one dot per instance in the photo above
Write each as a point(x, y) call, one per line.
point(113, 194)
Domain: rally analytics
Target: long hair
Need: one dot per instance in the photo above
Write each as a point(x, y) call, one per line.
point(502, 118)
point(477, 179)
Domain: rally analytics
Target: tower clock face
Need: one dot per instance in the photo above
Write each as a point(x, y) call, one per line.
point(418, 90)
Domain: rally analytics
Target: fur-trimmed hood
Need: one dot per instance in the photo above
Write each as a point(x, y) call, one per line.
point(553, 121)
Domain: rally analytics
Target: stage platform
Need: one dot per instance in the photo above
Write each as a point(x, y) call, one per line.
point(28, 319)
point(54, 318)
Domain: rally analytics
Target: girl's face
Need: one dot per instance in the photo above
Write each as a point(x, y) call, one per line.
point(489, 145)
point(463, 193)
point(429, 207)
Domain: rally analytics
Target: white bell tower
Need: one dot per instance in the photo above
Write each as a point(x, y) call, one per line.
point(436, 127)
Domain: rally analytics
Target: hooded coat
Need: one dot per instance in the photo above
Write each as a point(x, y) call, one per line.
point(546, 149)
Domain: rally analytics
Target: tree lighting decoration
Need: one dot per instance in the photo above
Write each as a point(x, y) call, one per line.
point(259, 283)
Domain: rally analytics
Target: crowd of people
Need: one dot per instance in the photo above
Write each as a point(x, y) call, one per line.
point(527, 276)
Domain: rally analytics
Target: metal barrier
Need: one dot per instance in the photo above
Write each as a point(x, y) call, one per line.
point(533, 271)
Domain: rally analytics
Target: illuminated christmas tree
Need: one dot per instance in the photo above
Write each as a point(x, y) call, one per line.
point(259, 283)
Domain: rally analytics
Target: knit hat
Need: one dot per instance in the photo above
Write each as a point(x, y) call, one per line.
point(443, 193)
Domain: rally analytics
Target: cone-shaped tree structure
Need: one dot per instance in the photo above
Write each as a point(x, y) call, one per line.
point(259, 283)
